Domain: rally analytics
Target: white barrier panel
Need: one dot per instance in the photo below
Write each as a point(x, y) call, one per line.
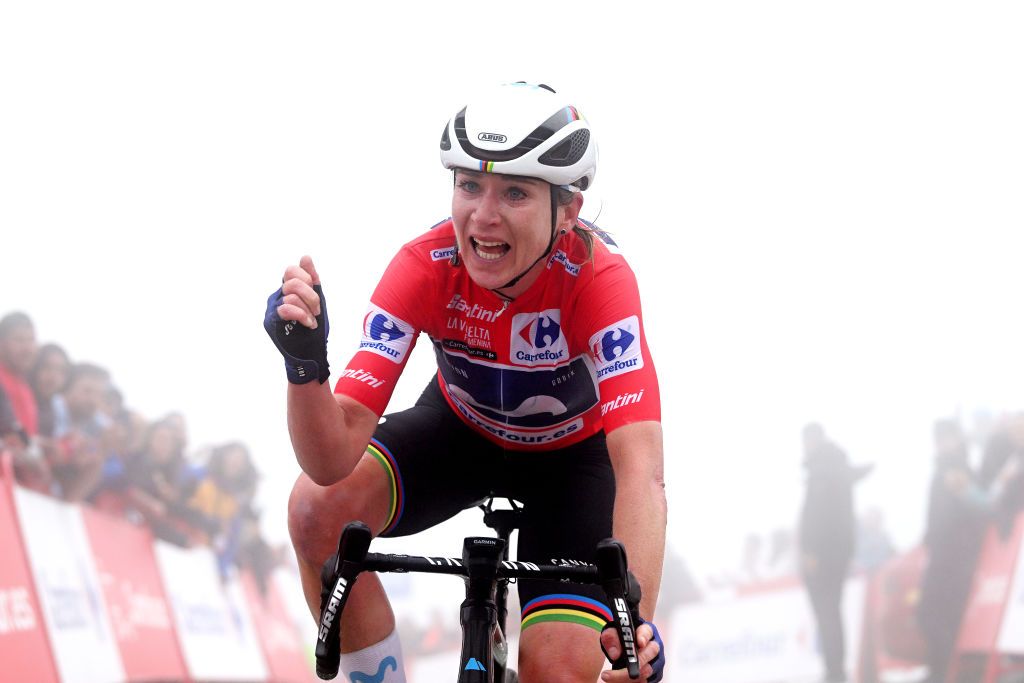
point(69, 591)
point(1011, 635)
point(216, 633)
point(758, 638)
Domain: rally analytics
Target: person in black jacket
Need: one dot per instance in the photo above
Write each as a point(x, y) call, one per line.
point(955, 528)
point(827, 540)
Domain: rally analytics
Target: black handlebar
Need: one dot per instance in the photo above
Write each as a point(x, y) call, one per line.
point(611, 574)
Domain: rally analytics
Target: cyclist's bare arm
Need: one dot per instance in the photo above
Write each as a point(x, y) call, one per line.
point(329, 434)
point(639, 522)
point(640, 508)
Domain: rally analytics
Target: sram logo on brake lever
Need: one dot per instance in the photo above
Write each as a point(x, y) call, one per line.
point(331, 612)
point(626, 628)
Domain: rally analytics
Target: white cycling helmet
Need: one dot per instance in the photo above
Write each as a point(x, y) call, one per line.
point(522, 129)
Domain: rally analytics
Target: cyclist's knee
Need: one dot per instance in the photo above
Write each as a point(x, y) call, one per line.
point(559, 653)
point(316, 515)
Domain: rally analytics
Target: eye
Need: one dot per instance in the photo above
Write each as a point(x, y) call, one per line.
point(516, 194)
point(468, 185)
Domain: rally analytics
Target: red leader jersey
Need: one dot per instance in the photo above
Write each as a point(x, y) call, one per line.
point(561, 362)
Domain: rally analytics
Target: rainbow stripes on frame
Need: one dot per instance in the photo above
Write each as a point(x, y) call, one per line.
point(566, 608)
point(396, 504)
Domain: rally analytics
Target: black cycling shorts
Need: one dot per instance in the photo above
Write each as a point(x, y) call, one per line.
point(439, 466)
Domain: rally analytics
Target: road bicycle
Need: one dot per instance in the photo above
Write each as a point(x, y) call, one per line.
point(487, 570)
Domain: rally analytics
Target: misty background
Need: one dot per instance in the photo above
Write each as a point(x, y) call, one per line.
point(822, 203)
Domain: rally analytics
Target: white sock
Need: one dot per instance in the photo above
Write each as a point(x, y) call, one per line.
point(380, 663)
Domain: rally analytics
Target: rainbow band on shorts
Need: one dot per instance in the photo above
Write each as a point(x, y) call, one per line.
point(487, 166)
point(396, 493)
point(566, 608)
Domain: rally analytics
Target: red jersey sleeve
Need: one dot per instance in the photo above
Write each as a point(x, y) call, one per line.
point(608, 310)
point(392, 322)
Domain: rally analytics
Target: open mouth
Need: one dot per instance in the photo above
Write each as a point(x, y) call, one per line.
point(489, 251)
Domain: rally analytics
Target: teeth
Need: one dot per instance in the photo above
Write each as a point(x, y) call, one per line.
point(480, 245)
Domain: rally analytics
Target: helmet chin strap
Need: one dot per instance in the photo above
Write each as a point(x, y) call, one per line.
point(551, 245)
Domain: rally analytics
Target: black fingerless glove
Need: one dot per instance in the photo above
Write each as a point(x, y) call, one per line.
point(304, 350)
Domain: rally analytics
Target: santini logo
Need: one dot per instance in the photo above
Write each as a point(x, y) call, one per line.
point(621, 400)
point(491, 137)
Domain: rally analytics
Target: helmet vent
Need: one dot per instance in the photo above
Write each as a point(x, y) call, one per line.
point(446, 144)
point(568, 151)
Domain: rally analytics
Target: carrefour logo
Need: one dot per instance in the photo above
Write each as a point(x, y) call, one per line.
point(383, 328)
point(537, 338)
point(616, 348)
point(386, 334)
point(442, 254)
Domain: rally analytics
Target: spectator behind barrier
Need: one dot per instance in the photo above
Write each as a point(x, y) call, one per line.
point(80, 430)
point(1002, 470)
point(48, 378)
point(17, 352)
point(125, 437)
point(223, 489)
point(957, 517)
point(153, 480)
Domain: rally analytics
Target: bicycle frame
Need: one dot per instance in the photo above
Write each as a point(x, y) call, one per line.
point(487, 571)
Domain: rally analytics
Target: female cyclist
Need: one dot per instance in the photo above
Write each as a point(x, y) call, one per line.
point(545, 391)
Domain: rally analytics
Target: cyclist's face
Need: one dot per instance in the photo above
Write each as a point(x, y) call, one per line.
point(502, 223)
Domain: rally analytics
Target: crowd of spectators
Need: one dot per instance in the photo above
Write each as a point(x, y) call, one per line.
point(67, 430)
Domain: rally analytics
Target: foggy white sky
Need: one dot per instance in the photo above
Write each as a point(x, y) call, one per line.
point(822, 203)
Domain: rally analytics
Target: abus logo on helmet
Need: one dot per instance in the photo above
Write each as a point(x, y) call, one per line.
point(616, 348)
point(386, 334)
point(491, 137)
point(537, 338)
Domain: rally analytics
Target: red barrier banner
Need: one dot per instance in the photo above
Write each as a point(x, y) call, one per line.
point(278, 634)
point(64, 573)
point(24, 649)
point(897, 644)
point(135, 598)
point(990, 593)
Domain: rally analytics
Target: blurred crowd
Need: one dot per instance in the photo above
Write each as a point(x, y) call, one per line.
point(977, 484)
point(70, 434)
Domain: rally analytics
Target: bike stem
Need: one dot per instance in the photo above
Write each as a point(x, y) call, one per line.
point(479, 611)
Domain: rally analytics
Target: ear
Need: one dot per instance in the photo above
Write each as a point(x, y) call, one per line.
point(570, 213)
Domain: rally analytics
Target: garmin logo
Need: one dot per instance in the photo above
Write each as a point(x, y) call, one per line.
point(491, 137)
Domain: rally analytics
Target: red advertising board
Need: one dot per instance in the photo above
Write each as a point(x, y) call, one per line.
point(984, 614)
point(279, 637)
point(24, 646)
point(133, 591)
